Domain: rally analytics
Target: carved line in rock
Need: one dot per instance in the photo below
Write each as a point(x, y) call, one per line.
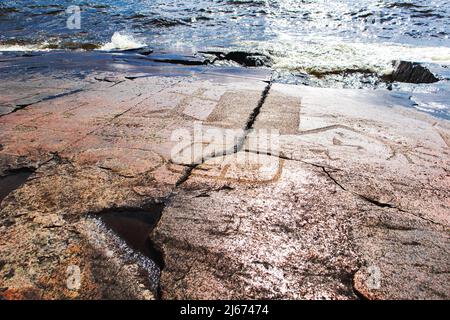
point(189, 169)
point(109, 122)
point(361, 196)
point(240, 140)
point(96, 151)
point(395, 150)
point(222, 176)
point(444, 137)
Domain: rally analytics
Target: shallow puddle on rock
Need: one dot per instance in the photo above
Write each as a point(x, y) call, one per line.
point(12, 181)
point(134, 226)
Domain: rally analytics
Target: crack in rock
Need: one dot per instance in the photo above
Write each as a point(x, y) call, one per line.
point(236, 148)
point(241, 140)
point(47, 98)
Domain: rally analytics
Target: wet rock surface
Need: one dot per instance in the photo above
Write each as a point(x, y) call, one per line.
point(247, 59)
point(412, 72)
point(354, 203)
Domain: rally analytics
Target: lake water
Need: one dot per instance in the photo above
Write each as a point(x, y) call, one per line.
point(304, 37)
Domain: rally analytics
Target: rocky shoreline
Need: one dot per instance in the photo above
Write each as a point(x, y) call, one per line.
point(352, 204)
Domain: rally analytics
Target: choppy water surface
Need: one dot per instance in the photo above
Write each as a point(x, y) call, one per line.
point(310, 37)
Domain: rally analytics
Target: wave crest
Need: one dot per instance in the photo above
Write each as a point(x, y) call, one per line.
point(122, 41)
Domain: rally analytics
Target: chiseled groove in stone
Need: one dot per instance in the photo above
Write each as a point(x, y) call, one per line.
point(70, 145)
point(236, 148)
point(55, 158)
point(363, 197)
point(241, 140)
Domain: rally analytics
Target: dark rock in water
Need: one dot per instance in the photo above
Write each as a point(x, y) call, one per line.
point(145, 51)
point(247, 59)
point(71, 45)
point(412, 72)
point(30, 54)
point(186, 60)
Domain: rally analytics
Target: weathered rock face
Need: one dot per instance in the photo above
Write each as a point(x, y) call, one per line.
point(286, 239)
point(44, 233)
point(334, 194)
point(107, 146)
point(412, 72)
point(397, 162)
point(349, 201)
point(17, 94)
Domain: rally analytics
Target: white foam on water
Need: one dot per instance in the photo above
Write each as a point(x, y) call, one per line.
point(333, 55)
point(23, 48)
point(122, 41)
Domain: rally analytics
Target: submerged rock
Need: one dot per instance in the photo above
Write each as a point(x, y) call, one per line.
point(144, 51)
point(412, 72)
point(247, 59)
